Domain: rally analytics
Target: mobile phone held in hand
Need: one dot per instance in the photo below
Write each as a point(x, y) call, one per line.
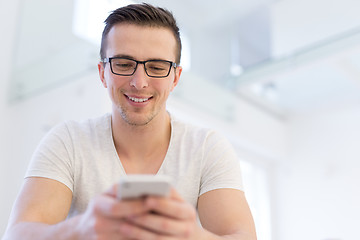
point(137, 186)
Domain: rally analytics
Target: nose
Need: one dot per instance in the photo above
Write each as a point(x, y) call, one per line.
point(139, 79)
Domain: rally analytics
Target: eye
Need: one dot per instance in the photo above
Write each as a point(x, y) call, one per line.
point(157, 66)
point(123, 64)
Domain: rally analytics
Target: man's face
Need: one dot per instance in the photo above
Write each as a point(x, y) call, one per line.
point(139, 98)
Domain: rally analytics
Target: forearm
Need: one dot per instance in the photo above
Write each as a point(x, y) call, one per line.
point(240, 236)
point(206, 235)
point(32, 230)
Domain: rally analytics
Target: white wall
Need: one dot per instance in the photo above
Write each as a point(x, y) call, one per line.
point(8, 14)
point(318, 193)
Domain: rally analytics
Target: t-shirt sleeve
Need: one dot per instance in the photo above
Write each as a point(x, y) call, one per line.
point(53, 157)
point(221, 166)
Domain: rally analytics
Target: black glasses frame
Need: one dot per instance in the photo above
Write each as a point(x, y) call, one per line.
point(108, 60)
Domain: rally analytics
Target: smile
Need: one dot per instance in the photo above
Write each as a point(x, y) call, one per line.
point(138, 100)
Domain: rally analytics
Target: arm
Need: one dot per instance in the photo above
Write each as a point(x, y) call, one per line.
point(41, 203)
point(41, 209)
point(225, 212)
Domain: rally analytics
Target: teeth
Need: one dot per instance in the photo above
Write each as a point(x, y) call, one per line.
point(138, 99)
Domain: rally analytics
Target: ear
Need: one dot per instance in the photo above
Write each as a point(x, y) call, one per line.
point(178, 72)
point(101, 68)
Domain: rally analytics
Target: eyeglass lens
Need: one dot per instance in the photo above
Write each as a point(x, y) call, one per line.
point(153, 68)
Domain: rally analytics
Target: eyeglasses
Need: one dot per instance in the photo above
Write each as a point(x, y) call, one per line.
point(126, 67)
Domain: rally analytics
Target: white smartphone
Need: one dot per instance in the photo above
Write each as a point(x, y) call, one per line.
point(136, 186)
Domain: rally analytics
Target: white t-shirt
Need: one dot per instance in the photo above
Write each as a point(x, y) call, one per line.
point(82, 156)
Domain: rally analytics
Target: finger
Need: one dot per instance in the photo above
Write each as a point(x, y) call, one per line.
point(112, 191)
point(175, 195)
point(111, 207)
point(170, 208)
point(131, 231)
point(106, 225)
point(163, 225)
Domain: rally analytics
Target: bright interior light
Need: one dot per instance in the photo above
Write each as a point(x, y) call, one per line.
point(89, 16)
point(267, 90)
point(236, 70)
point(185, 52)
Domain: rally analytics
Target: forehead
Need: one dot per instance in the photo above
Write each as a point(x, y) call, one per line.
point(141, 42)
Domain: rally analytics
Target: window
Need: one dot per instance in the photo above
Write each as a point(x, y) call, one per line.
point(257, 192)
point(89, 16)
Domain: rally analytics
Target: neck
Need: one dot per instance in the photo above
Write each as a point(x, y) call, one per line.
point(140, 144)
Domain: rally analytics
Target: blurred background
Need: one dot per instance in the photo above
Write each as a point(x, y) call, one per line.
point(279, 78)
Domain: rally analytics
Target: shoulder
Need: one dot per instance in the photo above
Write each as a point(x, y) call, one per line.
point(197, 134)
point(71, 130)
point(90, 124)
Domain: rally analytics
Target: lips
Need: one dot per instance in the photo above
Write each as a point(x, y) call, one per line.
point(138, 99)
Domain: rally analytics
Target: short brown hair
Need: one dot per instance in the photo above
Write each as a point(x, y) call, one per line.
point(143, 15)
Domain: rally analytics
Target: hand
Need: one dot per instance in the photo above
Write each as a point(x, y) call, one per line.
point(170, 218)
point(105, 216)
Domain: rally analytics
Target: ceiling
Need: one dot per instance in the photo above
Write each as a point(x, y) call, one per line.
point(323, 77)
point(315, 65)
point(204, 13)
point(315, 59)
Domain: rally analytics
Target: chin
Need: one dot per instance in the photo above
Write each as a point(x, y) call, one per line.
point(137, 120)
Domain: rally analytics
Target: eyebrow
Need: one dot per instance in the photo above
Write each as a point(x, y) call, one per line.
point(124, 56)
point(132, 58)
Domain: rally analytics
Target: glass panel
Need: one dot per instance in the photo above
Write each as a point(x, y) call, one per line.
point(47, 52)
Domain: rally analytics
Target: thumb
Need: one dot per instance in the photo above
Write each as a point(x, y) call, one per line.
point(112, 191)
point(175, 195)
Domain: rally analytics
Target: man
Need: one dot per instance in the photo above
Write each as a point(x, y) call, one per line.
point(70, 187)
